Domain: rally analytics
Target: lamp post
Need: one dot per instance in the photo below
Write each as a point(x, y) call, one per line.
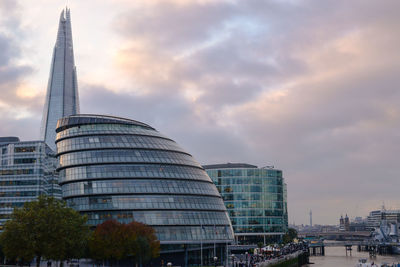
point(169, 264)
point(215, 261)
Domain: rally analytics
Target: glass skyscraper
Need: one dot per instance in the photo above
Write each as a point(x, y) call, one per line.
point(255, 199)
point(115, 168)
point(62, 89)
point(27, 170)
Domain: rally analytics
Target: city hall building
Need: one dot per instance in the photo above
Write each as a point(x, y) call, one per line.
point(256, 200)
point(27, 170)
point(116, 168)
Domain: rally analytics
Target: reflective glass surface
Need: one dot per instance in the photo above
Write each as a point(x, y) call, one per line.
point(92, 129)
point(62, 89)
point(128, 171)
point(124, 155)
point(95, 120)
point(132, 170)
point(116, 141)
point(255, 198)
point(139, 186)
point(27, 170)
point(146, 202)
point(163, 217)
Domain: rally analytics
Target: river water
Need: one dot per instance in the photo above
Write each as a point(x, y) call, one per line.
point(336, 257)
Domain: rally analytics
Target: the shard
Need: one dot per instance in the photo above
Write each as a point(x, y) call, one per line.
point(62, 89)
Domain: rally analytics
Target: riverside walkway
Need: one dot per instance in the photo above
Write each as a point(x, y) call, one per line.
point(291, 257)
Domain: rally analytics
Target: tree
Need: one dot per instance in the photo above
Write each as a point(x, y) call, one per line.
point(44, 228)
point(105, 242)
point(142, 242)
point(112, 241)
point(290, 235)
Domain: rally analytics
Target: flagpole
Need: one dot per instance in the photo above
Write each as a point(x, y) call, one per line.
point(226, 246)
point(201, 245)
point(215, 230)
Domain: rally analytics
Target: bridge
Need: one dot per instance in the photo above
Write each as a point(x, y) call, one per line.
point(337, 234)
point(317, 247)
point(357, 243)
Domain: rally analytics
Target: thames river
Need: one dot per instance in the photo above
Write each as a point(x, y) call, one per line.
point(335, 257)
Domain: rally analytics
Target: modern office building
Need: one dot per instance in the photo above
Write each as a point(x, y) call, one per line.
point(377, 216)
point(255, 199)
point(62, 89)
point(116, 168)
point(27, 170)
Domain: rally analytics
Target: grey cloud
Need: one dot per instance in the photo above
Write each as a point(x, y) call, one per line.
point(334, 137)
point(172, 116)
point(338, 146)
point(12, 75)
point(25, 128)
point(174, 26)
point(7, 50)
point(8, 5)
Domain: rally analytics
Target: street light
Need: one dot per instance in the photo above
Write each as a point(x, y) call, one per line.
point(169, 264)
point(215, 261)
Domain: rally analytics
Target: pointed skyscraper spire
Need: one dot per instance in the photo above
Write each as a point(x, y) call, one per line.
point(62, 89)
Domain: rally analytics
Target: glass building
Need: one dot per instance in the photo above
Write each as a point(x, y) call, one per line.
point(27, 170)
point(115, 168)
point(62, 89)
point(255, 199)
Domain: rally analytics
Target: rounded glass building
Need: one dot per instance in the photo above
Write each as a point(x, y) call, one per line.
point(115, 168)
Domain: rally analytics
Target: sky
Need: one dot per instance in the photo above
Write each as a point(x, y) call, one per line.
point(310, 87)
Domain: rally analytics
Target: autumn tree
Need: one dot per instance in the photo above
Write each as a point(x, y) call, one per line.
point(290, 235)
point(141, 242)
point(45, 228)
point(104, 244)
point(114, 241)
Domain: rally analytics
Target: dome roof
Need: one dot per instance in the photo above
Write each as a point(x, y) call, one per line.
point(84, 119)
point(116, 168)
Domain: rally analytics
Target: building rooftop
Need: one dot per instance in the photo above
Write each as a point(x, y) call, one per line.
point(229, 166)
point(8, 139)
point(82, 119)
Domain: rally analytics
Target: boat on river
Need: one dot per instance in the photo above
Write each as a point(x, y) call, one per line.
point(388, 233)
point(365, 263)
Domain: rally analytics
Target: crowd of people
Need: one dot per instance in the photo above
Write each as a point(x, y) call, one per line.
point(267, 254)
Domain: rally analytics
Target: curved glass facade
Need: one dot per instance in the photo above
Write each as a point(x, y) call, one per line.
point(254, 197)
point(114, 168)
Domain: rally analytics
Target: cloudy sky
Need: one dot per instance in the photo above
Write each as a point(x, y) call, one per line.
point(311, 87)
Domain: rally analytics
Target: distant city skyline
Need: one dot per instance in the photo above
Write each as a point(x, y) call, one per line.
point(307, 86)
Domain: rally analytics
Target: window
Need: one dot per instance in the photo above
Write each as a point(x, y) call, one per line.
point(24, 161)
point(228, 189)
point(24, 149)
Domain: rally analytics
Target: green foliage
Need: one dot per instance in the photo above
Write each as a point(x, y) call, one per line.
point(115, 241)
point(290, 235)
point(44, 228)
point(260, 244)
